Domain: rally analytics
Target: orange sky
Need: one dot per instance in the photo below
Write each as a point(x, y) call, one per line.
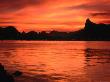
point(46, 15)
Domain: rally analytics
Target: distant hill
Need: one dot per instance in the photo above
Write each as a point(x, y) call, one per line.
point(91, 32)
point(9, 33)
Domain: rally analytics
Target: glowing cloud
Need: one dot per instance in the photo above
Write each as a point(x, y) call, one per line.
point(62, 15)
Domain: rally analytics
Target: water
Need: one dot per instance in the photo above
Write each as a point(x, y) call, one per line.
point(57, 61)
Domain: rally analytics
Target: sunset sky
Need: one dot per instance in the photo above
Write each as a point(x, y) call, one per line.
point(47, 15)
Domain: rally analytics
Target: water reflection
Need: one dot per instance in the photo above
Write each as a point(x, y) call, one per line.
point(97, 55)
point(54, 61)
point(98, 64)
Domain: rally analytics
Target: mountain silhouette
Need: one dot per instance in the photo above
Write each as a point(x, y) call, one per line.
point(91, 32)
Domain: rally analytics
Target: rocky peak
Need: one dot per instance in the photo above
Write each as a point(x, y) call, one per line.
point(89, 24)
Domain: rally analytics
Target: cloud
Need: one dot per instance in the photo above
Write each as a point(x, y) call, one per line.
point(105, 21)
point(6, 22)
point(7, 6)
point(92, 6)
point(5, 18)
point(52, 13)
point(101, 14)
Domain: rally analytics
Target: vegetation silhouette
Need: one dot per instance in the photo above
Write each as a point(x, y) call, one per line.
point(91, 32)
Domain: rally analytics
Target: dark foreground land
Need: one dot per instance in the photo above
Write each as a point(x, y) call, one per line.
point(91, 32)
point(6, 77)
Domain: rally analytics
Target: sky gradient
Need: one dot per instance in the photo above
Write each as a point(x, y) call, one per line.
point(47, 15)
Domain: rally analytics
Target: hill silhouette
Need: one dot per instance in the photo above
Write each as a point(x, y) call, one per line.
point(91, 32)
point(9, 33)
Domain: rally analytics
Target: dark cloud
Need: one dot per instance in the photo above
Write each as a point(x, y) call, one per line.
point(100, 14)
point(13, 5)
point(92, 6)
point(105, 21)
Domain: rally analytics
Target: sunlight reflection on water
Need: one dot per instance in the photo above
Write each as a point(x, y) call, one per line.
point(57, 61)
